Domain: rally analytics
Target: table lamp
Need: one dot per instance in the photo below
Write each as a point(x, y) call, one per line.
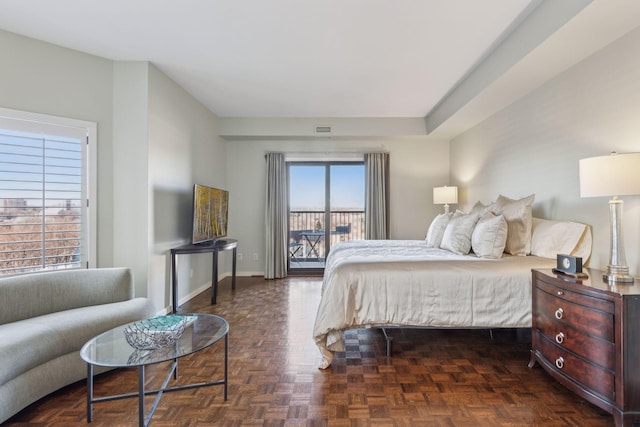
point(614, 175)
point(444, 196)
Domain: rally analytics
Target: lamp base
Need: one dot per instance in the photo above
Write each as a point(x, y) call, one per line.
point(618, 274)
point(617, 270)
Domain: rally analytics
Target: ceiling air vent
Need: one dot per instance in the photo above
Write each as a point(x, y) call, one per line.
point(322, 130)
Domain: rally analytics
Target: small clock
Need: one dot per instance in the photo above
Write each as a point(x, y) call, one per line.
point(569, 265)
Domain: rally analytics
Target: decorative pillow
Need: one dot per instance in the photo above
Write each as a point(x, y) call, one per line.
point(489, 236)
point(436, 229)
point(519, 222)
point(481, 208)
point(550, 238)
point(457, 235)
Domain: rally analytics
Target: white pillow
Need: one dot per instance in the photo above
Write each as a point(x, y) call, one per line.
point(550, 238)
point(457, 235)
point(436, 230)
point(489, 236)
point(480, 208)
point(519, 222)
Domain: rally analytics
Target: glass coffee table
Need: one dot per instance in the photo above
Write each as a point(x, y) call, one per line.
point(111, 349)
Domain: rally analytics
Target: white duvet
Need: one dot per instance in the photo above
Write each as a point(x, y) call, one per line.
point(402, 282)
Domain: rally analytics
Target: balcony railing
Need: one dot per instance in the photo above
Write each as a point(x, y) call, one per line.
point(308, 234)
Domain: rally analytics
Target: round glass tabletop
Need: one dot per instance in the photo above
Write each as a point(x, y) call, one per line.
point(112, 349)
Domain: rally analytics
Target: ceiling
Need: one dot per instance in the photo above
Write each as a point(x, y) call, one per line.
point(313, 58)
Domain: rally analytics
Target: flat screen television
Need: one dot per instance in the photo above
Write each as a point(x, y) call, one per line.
point(210, 213)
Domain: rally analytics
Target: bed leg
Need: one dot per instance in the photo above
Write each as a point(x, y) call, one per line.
point(389, 340)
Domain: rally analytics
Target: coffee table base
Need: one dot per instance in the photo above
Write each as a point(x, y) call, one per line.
point(173, 371)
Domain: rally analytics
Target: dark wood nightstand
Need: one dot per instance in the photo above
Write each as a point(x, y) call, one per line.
point(586, 335)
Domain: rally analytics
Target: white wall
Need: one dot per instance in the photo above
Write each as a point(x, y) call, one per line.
point(416, 166)
point(130, 169)
point(183, 149)
point(154, 142)
point(164, 141)
point(534, 145)
point(303, 129)
point(43, 78)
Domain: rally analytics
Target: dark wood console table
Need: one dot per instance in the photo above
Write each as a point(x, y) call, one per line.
point(214, 247)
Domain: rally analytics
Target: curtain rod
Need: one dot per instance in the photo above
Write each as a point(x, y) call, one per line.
point(304, 153)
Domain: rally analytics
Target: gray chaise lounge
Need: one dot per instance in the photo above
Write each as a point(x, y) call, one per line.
point(45, 318)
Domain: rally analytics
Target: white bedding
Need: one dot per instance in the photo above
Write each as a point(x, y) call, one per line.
point(402, 282)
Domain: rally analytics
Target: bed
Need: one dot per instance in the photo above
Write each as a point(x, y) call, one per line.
point(408, 283)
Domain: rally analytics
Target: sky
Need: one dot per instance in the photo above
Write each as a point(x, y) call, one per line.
point(31, 163)
point(307, 184)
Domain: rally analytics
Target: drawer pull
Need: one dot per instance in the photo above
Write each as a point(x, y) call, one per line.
point(560, 338)
point(559, 313)
point(560, 362)
point(560, 293)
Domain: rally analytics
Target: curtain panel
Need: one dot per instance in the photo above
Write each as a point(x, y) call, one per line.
point(276, 217)
point(376, 210)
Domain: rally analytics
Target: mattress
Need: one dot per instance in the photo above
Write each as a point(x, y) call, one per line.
point(371, 283)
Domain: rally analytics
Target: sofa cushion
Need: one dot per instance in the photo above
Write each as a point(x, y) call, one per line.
point(39, 382)
point(33, 295)
point(31, 342)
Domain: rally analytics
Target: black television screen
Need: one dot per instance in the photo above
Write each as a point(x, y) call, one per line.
point(210, 213)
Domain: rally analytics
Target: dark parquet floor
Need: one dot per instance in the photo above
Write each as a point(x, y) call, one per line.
point(435, 378)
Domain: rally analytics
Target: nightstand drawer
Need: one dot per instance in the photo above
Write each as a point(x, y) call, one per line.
point(594, 322)
point(565, 294)
point(595, 378)
point(596, 350)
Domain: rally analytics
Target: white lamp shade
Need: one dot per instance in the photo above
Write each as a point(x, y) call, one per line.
point(613, 175)
point(445, 195)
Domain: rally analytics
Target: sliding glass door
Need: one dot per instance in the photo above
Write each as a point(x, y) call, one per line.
point(326, 206)
point(307, 200)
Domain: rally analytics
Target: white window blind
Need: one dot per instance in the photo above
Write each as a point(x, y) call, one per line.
point(44, 193)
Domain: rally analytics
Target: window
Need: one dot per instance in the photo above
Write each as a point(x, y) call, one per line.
point(45, 221)
point(326, 206)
